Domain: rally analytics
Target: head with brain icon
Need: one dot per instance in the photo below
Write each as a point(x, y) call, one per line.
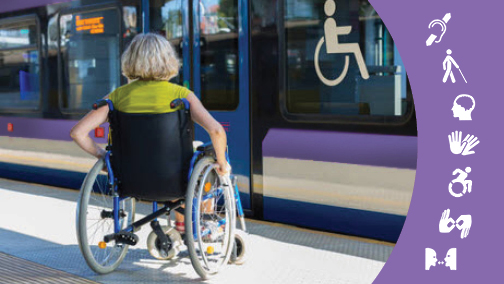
point(463, 107)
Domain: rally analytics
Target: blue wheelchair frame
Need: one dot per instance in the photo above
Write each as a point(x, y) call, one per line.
point(168, 205)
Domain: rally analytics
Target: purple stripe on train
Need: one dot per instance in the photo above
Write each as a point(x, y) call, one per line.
point(350, 148)
point(51, 129)
point(9, 5)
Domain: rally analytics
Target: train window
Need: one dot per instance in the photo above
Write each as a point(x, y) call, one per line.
point(166, 19)
point(219, 54)
point(341, 62)
point(131, 24)
point(89, 56)
point(19, 64)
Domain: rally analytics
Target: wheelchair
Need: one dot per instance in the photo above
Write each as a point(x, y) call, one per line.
point(322, 78)
point(150, 157)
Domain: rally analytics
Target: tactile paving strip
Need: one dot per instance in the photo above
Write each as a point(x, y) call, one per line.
point(355, 246)
point(281, 253)
point(15, 270)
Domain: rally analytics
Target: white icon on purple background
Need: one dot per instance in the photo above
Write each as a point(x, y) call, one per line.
point(430, 258)
point(442, 23)
point(449, 261)
point(459, 146)
point(447, 66)
point(447, 224)
point(463, 105)
point(462, 179)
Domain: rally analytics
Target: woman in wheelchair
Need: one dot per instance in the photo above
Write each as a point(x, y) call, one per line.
point(149, 63)
point(149, 157)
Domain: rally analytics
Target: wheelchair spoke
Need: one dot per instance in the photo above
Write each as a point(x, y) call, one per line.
point(93, 225)
point(211, 216)
point(214, 226)
point(93, 236)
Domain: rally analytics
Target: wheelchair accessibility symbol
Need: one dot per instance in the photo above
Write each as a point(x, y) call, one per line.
point(331, 33)
point(466, 184)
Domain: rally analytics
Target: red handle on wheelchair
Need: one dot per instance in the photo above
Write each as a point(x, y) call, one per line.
point(99, 103)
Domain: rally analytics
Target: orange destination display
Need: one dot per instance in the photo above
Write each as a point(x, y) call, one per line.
point(93, 25)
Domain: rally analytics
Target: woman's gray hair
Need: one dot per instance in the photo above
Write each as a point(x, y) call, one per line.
point(150, 57)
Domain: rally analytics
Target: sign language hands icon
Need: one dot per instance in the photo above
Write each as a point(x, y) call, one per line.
point(463, 223)
point(471, 143)
point(456, 145)
point(465, 226)
point(446, 224)
point(459, 146)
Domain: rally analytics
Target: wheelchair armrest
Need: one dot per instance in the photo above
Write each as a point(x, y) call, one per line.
point(343, 30)
point(99, 103)
point(177, 102)
point(207, 147)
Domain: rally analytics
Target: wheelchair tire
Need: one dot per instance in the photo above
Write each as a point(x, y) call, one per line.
point(94, 207)
point(241, 239)
point(207, 255)
point(154, 247)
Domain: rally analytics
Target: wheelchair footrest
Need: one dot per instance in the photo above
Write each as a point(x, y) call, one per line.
point(122, 238)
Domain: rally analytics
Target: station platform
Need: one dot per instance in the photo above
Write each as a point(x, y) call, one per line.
point(37, 229)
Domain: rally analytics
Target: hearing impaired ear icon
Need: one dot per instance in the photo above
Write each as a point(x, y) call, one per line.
point(442, 23)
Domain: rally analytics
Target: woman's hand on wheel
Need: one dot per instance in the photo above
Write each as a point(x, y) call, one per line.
point(101, 155)
point(223, 168)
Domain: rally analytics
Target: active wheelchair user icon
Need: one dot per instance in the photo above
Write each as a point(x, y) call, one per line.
point(333, 46)
point(466, 184)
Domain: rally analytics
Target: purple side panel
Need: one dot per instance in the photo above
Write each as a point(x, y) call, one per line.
point(52, 129)
point(12, 5)
point(362, 149)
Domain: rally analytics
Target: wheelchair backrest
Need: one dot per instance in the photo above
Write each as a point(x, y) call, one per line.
point(151, 153)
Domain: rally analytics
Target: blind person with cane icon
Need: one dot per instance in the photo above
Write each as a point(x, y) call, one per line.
point(447, 65)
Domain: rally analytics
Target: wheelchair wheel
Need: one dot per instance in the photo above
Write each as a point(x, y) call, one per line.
point(210, 218)
point(239, 256)
point(324, 80)
point(95, 220)
point(154, 246)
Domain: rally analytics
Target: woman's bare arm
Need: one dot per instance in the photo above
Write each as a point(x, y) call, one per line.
point(217, 134)
point(80, 132)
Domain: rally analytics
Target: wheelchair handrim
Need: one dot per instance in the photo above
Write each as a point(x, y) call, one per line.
point(107, 259)
point(228, 223)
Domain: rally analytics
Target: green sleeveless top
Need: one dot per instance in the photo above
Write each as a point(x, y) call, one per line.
point(147, 96)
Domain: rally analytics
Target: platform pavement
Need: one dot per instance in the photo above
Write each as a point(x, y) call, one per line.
point(37, 223)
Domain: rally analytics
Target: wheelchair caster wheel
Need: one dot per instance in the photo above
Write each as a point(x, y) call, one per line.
point(238, 256)
point(154, 245)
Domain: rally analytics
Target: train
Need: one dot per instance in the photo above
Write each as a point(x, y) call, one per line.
point(318, 138)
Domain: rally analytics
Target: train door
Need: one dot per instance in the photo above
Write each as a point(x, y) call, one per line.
point(220, 77)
